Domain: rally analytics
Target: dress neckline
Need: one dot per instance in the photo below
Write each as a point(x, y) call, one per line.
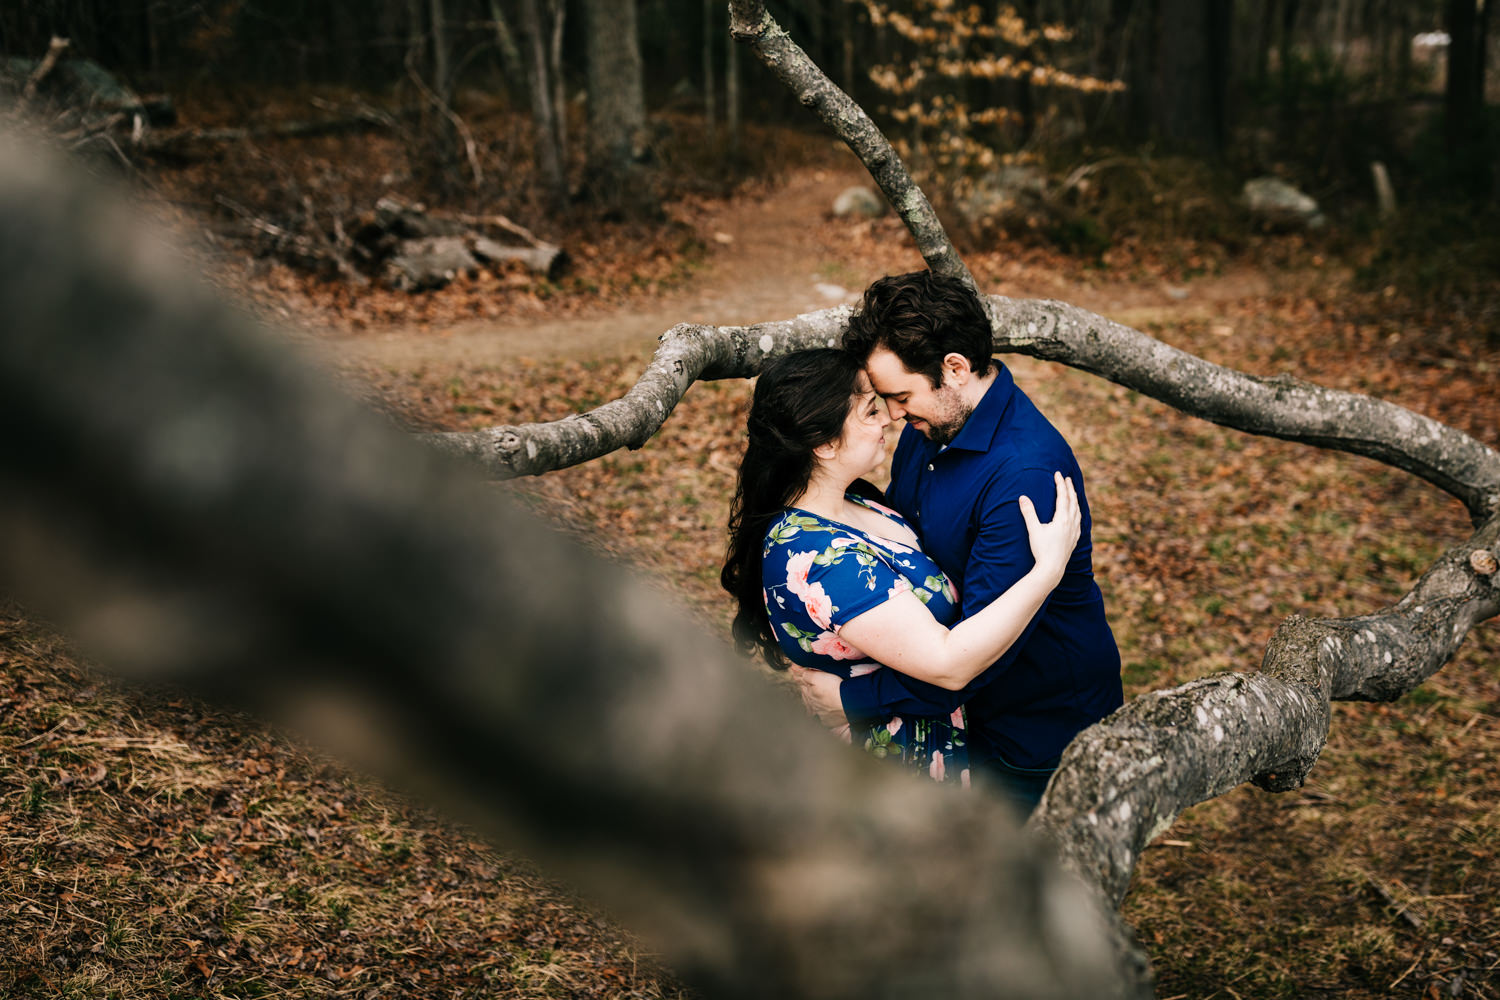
point(888, 514)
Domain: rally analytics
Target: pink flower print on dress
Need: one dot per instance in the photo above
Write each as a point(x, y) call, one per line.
point(956, 720)
point(831, 645)
point(796, 571)
point(963, 777)
point(902, 586)
point(894, 726)
point(860, 669)
point(938, 768)
point(818, 604)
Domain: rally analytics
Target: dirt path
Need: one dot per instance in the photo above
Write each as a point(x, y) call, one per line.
point(773, 257)
point(764, 266)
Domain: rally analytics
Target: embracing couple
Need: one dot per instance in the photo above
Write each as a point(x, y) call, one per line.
point(952, 624)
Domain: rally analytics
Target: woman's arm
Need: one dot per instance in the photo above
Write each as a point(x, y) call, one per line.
point(903, 635)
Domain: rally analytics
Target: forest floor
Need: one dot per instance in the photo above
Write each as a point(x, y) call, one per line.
point(151, 846)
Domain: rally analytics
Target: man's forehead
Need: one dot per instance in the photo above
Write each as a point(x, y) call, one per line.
point(887, 374)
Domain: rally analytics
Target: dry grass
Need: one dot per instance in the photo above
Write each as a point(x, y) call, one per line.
point(151, 847)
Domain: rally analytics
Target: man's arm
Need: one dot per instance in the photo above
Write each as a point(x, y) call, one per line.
point(998, 558)
point(1001, 553)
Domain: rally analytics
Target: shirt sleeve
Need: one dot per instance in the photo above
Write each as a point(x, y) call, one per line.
point(1000, 556)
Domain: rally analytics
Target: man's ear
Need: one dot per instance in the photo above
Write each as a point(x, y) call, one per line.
point(956, 370)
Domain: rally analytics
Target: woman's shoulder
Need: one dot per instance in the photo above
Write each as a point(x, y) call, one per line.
point(876, 506)
point(798, 535)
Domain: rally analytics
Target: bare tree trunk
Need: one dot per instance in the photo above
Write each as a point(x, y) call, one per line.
point(557, 10)
point(732, 98)
point(1464, 98)
point(441, 84)
point(710, 37)
point(547, 155)
point(1189, 59)
point(617, 106)
point(436, 150)
point(511, 63)
point(846, 47)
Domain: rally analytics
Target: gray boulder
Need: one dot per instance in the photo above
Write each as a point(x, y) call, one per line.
point(1279, 205)
point(859, 201)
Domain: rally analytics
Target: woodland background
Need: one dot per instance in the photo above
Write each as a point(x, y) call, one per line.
point(1088, 151)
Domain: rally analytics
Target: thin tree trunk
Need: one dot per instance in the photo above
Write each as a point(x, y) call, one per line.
point(1481, 53)
point(617, 106)
point(544, 128)
point(1463, 120)
point(558, 11)
point(511, 63)
point(710, 36)
point(732, 98)
point(441, 85)
point(1191, 55)
point(847, 24)
point(1401, 52)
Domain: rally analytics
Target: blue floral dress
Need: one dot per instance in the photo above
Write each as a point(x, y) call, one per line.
point(819, 574)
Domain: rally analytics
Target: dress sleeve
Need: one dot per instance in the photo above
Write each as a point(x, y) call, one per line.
point(846, 580)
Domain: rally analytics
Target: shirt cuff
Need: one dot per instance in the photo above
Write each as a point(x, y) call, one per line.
point(859, 700)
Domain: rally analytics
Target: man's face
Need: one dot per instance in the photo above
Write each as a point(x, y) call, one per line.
point(938, 413)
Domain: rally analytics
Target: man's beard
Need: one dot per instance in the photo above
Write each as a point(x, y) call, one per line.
point(945, 426)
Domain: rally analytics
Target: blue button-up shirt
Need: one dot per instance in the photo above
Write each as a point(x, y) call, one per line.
point(1063, 674)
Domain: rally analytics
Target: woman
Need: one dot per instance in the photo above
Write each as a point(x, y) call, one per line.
point(827, 577)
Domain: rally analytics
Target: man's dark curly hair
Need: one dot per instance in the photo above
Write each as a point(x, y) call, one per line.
point(922, 317)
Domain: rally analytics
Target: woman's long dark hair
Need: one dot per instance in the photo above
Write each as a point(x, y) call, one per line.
point(801, 401)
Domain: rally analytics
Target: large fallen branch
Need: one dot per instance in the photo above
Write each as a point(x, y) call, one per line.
point(199, 507)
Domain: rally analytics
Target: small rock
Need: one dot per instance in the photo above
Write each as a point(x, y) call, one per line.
point(1279, 205)
point(1009, 193)
point(859, 201)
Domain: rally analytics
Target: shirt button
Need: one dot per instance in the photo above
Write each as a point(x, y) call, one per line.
point(929, 466)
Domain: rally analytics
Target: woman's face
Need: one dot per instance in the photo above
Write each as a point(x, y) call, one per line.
point(861, 447)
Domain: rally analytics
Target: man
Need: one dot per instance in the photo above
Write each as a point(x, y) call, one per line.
point(973, 444)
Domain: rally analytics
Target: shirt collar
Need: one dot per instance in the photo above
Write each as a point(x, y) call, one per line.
point(978, 432)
